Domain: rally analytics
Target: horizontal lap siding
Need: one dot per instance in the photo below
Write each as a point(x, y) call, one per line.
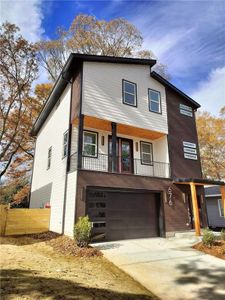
point(102, 95)
point(70, 203)
point(214, 218)
point(51, 135)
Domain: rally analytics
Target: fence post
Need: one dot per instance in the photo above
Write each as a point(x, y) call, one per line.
point(3, 218)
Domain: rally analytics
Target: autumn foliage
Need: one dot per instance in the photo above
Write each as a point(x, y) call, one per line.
point(211, 134)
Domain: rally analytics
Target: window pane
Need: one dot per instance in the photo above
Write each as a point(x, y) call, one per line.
point(130, 99)
point(221, 208)
point(129, 87)
point(154, 96)
point(89, 138)
point(146, 158)
point(89, 150)
point(154, 106)
point(65, 137)
point(146, 148)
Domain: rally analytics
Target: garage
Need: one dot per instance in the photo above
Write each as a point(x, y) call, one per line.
point(119, 214)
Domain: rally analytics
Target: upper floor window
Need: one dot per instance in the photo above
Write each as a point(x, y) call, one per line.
point(90, 144)
point(220, 206)
point(146, 153)
point(129, 93)
point(49, 158)
point(154, 101)
point(65, 143)
point(186, 110)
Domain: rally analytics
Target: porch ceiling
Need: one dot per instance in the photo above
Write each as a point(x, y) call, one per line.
point(105, 125)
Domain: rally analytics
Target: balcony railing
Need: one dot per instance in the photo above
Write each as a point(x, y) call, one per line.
point(123, 165)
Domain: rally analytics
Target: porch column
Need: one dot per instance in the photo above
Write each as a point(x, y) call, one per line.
point(195, 208)
point(114, 138)
point(80, 141)
point(222, 190)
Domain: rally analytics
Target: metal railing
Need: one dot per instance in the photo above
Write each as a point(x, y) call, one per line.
point(124, 165)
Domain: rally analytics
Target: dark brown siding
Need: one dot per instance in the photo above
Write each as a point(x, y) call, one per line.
point(176, 216)
point(181, 128)
point(75, 109)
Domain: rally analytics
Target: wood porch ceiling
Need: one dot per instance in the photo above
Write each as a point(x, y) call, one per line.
point(96, 123)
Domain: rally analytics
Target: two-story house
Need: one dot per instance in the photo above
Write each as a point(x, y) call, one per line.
point(113, 141)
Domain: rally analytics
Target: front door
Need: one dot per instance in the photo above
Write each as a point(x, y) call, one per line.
point(124, 154)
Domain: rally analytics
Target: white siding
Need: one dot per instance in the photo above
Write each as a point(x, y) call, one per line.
point(102, 95)
point(160, 155)
point(70, 203)
point(51, 135)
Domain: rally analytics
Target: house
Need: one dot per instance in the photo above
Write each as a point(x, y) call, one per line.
point(215, 210)
point(118, 142)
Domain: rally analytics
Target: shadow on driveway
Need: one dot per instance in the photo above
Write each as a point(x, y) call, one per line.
point(213, 277)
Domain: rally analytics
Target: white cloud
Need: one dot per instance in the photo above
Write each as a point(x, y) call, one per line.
point(26, 14)
point(211, 92)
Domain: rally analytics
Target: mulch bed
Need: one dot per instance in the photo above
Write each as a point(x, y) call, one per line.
point(218, 249)
point(65, 245)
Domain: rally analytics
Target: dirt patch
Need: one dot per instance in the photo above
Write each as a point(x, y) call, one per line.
point(218, 249)
point(65, 245)
point(32, 269)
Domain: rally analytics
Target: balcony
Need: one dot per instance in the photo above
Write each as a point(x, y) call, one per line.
point(121, 165)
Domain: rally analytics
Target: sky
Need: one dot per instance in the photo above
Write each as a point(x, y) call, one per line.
point(187, 36)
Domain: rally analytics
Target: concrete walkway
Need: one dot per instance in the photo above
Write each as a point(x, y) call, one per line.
point(169, 268)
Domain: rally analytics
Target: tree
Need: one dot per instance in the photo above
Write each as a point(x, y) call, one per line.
point(18, 68)
point(88, 35)
point(212, 144)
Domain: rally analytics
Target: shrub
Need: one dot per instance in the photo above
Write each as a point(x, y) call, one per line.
point(222, 234)
point(82, 232)
point(208, 238)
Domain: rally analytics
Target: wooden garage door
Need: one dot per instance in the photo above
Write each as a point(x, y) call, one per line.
point(123, 214)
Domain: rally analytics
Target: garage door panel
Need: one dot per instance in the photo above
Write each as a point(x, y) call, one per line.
point(126, 215)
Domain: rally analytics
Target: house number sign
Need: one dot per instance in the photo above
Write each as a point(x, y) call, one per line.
point(170, 196)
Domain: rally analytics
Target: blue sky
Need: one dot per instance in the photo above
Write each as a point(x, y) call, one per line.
point(187, 36)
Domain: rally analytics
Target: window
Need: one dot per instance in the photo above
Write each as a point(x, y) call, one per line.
point(90, 146)
point(154, 101)
point(129, 93)
point(220, 206)
point(49, 158)
point(186, 110)
point(146, 153)
point(65, 144)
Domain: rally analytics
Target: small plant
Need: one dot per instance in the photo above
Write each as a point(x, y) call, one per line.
point(82, 232)
point(222, 234)
point(208, 238)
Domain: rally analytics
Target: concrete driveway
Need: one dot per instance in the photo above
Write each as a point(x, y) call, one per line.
point(169, 268)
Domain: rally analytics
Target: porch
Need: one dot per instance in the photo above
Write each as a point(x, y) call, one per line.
point(124, 165)
point(118, 148)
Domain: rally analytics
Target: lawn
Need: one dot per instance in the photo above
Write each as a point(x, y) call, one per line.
point(37, 268)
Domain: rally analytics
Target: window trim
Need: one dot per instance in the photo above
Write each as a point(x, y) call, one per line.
point(160, 102)
point(95, 132)
point(220, 207)
point(66, 132)
point(123, 92)
point(143, 163)
point(49, 158)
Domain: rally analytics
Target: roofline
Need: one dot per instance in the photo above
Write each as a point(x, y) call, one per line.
point(166, 83)
point(67, 73)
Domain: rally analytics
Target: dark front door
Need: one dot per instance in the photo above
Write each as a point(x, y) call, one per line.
point(124, 154)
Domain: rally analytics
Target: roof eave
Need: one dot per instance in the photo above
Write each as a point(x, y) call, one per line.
point(166, 83)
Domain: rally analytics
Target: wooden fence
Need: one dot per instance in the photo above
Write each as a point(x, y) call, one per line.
point(23, 220)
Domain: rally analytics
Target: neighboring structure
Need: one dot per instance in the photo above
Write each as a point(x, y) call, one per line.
point(111, 139)
point(215, 210)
